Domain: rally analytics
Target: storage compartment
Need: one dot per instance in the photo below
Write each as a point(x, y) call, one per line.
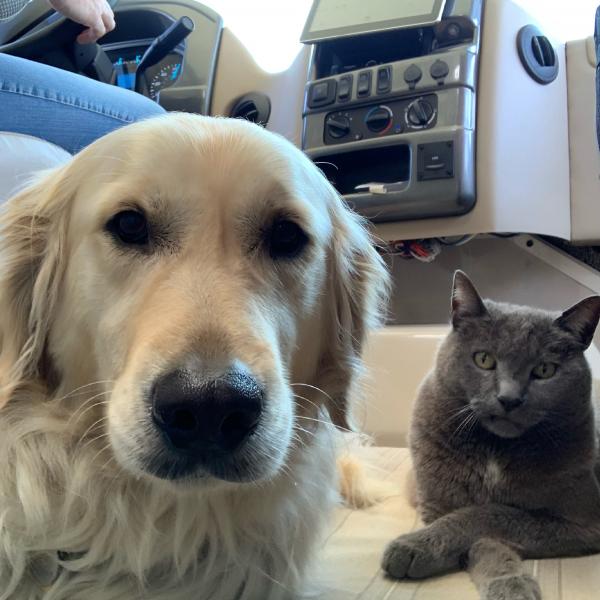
point(388, 164)
point(348, 54)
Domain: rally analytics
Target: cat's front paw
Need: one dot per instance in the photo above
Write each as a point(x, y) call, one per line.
point(418, 555)
point(513, 587)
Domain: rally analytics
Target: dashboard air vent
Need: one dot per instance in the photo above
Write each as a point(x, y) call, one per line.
point(253, 107)
point(537, 55)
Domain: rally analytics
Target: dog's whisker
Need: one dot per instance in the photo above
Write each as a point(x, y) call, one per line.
point(75, 416)
point(317, 389)
point(298, 397)
point(88, 430)
point(303, 430)
point(81, 388)
point(72, 422)
point(81, 410)
point(103, 449)
point(328, 423)
point(92, 440)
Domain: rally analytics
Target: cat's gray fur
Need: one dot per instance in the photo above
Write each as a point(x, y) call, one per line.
point(495, 486)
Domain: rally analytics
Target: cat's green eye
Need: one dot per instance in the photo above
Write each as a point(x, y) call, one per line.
point(484, 360)
point(544, 370)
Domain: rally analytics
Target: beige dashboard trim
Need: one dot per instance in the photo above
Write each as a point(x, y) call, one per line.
point(237, 73)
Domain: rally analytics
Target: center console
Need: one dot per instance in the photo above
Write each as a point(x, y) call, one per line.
point(390, 105)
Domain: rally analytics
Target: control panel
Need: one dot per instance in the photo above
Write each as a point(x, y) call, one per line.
point(413, 87)
point(375, 121)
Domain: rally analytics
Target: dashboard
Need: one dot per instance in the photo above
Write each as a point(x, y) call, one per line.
point(181, 80)
point(125, 59)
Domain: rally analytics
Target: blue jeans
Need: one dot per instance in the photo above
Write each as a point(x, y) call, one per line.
point(66, 109)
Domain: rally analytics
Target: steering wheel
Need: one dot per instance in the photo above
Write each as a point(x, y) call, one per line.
point(53, 26)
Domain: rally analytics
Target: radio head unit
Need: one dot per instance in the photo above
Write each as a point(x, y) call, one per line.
point(390, 105)
point(334, 19)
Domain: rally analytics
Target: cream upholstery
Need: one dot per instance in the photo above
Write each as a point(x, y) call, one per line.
point(21, 156)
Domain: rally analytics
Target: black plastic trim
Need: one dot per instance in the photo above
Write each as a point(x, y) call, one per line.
point(537, 55)
point(255, 107)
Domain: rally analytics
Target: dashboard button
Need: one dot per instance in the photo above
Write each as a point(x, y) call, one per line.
point(321, 93)
point(337, 126)
point(364, 84)
point(413, 75)
point(439, 69)
point(379, 119)
point(435, 161)
point(419, 113)
point(384, 80)
point(345, 88)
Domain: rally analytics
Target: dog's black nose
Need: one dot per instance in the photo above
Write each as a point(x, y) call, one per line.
point(200, 416)
point(509, 403)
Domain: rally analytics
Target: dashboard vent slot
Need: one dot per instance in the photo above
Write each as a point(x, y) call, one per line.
point(543, 51)
point(537, 55)
point(253, 107)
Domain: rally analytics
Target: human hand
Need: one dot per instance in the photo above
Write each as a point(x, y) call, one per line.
point(96, 15)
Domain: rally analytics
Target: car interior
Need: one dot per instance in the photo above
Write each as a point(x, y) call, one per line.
point(463, 131)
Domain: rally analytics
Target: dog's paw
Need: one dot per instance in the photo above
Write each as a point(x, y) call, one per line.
point(513, 587)
point(418, 555)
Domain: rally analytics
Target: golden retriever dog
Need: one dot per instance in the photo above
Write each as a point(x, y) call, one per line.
point(182, 312)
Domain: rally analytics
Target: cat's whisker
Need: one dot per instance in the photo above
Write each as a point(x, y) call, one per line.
point(466, 424)
point(471, 426)
point(458, 413)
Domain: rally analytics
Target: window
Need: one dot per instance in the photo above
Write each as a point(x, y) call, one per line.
point(270, 29)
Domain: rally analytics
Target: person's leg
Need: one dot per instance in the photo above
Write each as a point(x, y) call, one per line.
point(66, 109)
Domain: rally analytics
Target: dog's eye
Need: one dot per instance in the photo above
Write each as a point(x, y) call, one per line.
point(130, 226)
point(286, 239)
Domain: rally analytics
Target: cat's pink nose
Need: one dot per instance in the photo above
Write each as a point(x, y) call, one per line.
point(509, 403)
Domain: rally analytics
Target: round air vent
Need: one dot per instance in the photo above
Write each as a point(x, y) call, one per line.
point(253, 107)
point(537, 55)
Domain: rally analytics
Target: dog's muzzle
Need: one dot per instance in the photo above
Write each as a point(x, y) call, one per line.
point(203, 424)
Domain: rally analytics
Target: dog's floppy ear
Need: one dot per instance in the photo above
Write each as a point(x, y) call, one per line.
point(32, 237)
point(358, 290)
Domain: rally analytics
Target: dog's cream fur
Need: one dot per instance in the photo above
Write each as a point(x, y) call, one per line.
point(86, 326)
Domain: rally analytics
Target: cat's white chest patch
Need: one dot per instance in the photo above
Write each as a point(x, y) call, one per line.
point(493, 475)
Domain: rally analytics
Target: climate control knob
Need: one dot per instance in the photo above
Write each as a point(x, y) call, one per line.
point(419, 112)
point(378, 119)
point(337, 126)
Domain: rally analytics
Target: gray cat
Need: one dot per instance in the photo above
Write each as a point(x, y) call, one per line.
point(505, 447)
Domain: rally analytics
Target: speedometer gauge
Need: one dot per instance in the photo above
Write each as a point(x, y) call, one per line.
point(165, 76)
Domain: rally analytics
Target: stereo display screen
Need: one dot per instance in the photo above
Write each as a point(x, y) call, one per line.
point(329, 19)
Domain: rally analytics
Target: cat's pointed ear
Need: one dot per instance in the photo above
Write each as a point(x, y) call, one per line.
point(466, 302)
point(581, 320)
